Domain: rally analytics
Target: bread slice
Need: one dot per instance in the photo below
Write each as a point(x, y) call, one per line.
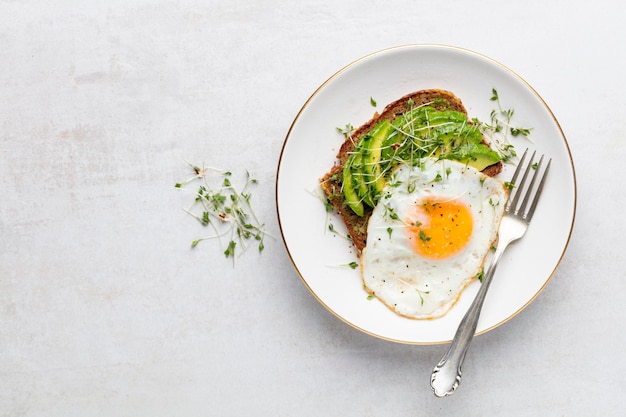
point(331, 182)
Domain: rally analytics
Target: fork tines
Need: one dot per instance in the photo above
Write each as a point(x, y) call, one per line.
point(529, 191)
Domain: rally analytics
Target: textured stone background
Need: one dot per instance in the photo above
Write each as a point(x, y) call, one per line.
point(104, 309)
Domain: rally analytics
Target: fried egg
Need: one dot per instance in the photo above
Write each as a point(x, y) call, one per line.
point(429, 235)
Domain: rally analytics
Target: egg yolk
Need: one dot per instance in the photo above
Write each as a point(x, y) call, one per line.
point(439, 229)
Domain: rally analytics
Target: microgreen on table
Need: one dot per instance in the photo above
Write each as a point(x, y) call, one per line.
point(224, 209)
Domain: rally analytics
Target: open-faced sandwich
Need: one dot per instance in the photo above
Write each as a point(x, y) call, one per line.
point(416, 189)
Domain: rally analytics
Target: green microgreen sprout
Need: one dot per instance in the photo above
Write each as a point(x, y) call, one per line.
point(391, 213)
point(372, 102)
point(332, 229)
point(427, 205)
point(411, 186)
point(329, 208)
point(516, 131)
point(346, 130)
point(225, 209)
point(500, 126)
point(421, 294)
point(352, 265)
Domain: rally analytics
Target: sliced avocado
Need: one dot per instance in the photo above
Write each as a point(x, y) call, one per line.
point(483, 157)
point(359, 178)
point(405, 125)
point(349, 188)
point(435, 116)
point(454, 132)
point(388, 147)
point(479, 156)
point(371, 158)
point(391, 142)
point(416, 116)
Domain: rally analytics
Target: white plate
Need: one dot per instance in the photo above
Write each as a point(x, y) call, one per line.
point(312, 143)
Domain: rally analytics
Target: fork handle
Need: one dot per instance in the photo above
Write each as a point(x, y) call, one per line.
point(446, 376)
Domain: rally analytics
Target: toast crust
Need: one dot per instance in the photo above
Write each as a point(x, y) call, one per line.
point(331, 182)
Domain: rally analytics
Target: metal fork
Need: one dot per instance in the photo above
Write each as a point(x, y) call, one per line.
point(518, 212)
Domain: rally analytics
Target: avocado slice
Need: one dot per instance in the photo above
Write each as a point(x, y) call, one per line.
point(391, 142)
point(477, 155)
point(349, 188)
point(371, 158)
point(358, 178)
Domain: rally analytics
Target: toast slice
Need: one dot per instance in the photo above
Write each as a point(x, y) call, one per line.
point(331, 182)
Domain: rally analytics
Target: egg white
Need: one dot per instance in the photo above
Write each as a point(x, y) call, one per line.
point(411, 284)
